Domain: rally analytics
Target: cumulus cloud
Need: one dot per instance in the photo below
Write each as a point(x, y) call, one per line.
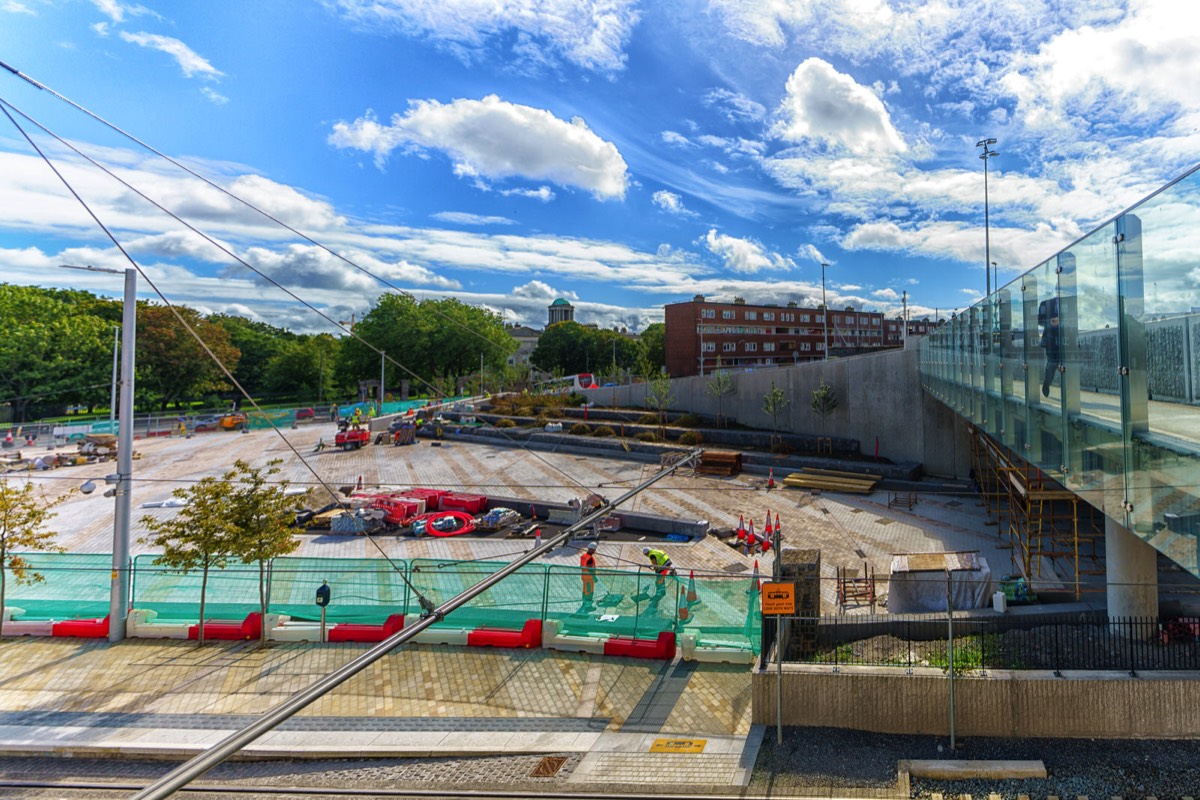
point(886, 294)
point(542, 292)
point(494, 139)
point(825, 106)
point(589, 33)
point(671, 203)
point(744, 255)
point(188, 60)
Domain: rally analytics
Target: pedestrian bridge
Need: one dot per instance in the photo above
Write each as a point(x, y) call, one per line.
point(1088, 366)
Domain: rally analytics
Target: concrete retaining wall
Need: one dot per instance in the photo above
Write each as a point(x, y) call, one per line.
point(1104, 705)
point(880, 397)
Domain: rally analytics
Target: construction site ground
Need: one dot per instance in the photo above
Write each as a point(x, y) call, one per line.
point(604, 715)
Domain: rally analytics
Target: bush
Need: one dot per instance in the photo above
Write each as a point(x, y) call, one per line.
point(604, 430)
point(540, 421)
point(504, 423)
point(690, 438)
point(646, 436)
point(581, 429)
point(648, 419)
point(689, 421)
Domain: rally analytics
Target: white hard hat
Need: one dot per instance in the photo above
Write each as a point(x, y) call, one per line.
point(645, 551)
point(591, 546)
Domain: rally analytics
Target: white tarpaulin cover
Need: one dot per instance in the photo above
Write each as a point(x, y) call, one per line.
point(918, 582)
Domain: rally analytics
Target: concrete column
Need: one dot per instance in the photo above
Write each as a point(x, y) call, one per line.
point(1132, 572)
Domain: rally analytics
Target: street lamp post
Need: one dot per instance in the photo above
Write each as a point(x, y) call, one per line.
point(824, 311)
point(118, 608)
point(987, 153)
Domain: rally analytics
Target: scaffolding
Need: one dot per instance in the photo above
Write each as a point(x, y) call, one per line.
point(1043, 520)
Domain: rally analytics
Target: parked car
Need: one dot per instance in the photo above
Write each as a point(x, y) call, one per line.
point(305, 413)
point(205, 423)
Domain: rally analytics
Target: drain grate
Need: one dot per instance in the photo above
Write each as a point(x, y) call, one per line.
point(884, 521)
point(735, 567)
point(548, 767)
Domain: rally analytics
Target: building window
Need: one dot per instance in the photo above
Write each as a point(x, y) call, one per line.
point(708, 313)
point(820, 345)
point(728, 347)
point(768, 347)
point(805, 346)
point(751, 347)
point(819, 318)
point(768, 316)
point(728, 313)
point(804, 318)
point(787, 317)
point(710, 347)
point(751, 315)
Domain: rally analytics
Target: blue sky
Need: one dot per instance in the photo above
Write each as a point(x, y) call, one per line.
point(619, 154)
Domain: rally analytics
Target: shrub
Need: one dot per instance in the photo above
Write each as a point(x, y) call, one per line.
point(690, 438)
point(505, 423)
point(646, 436)
point(648, 419)
point(581, 429)
point(541, 420)
point(689, 421)
point(604, 430)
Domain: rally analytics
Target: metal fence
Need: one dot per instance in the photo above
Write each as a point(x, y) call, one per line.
point(1056, 643)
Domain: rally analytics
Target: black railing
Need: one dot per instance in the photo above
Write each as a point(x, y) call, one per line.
point(1055, 643)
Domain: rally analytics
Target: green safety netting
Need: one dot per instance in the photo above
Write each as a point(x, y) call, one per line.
point(257, 420)
point(231, 593)
point(362, 590)
point(73, 586)
point(517, 598)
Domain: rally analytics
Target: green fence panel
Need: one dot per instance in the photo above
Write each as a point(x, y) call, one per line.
point(362, 590)
point(73, 586)
point(509, 604)
point(231, 593)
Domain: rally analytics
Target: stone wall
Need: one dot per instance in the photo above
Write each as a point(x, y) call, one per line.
point(1104, 705)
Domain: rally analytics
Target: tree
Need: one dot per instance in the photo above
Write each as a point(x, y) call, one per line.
point(258, 343)
point(659, 398)
point(774, 402)
point(21, 518)
point(824, 402)
point(301, 369)
point(564, 346)
point(654, 347)
point(172, 366)
point(719, 385)
point(201, 536)
point(261, 513)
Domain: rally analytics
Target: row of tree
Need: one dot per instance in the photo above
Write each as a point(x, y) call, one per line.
point(57, 348)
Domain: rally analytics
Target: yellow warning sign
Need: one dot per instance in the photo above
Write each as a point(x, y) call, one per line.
point(678, 745)
point(779, 598)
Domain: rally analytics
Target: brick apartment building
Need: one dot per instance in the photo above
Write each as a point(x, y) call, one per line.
point(741, 335)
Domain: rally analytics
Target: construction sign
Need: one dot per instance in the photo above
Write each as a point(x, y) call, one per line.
point(678, 745)
point(779, 598)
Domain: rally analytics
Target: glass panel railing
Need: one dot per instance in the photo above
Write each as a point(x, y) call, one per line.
point(1088, 367)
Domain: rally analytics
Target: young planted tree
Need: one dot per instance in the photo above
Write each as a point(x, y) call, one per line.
point(261, 513)
point(200, 537)
point(659, 398)
point(719, 385)
point(824, 402)
point(22, 515)
point(774, 402)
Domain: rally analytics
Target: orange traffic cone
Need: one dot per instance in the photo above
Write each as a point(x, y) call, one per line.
point(537, 537)
point(741, 531)
point(754, 581)
point(359, 484)
point(684, 611)
point(771, 478)
point(757, 579)
point(691, 590)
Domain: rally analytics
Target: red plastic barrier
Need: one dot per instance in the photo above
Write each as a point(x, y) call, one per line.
point(249, 628)
point(82, 628)
point(470, 503)
point(530, 635)
point(432, 497)
point(661, 648)
point(354, 632)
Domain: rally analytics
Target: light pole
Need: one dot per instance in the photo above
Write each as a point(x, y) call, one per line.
point(118, 608)
point(700, 327)
point(112, 402)
point(824, 310)
point(987, 153)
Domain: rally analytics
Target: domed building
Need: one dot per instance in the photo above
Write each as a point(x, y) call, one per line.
point(561, 311)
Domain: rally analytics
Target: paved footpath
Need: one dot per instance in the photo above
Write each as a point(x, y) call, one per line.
point(165, 698)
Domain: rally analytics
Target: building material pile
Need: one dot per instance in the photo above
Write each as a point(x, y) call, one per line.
point(832, 480)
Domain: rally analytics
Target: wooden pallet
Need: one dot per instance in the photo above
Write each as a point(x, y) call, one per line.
point(719, 462)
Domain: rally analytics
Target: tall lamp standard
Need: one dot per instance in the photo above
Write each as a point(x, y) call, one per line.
point(987, 153)
point(824, 311)
point(118, 608)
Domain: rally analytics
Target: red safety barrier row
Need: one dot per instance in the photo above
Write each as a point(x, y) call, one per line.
point(661, 648)
point(355, 632)
point(83, 628)
point(230, 629)
point(530, 635)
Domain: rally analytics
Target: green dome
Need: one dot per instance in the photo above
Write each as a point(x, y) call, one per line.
point(560, 302)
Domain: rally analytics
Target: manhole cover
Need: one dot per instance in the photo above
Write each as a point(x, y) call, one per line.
point(548, 767)
point(883, 521)
point(735, 567)
point(856, 511)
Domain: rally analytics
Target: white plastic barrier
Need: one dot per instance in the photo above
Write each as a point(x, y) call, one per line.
point(714, 652)
point(552, 639)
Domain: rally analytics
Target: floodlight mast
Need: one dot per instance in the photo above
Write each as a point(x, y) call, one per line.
point(987, 153)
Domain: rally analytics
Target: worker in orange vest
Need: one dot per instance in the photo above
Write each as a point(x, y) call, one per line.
point(587, 573)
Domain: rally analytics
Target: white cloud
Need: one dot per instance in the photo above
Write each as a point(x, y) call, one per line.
point(825, 106)
point(215, 97)
point(542, 193)
point(543, 293)
point(188, 60)
point(810, 251)
point(464, 218)
point(14, 7)
point(734, 106)
point(494, 139)
point(886, 294)
point(744, 255)
point(589, 33)
point(671, 203)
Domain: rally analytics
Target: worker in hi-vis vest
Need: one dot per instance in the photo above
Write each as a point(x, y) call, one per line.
point(587, 573)
point(662, 566)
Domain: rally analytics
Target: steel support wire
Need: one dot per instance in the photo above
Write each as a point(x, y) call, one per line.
point(189, 771)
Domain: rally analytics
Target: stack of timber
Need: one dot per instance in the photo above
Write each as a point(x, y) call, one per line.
point(832, 480)
point(719, 462)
